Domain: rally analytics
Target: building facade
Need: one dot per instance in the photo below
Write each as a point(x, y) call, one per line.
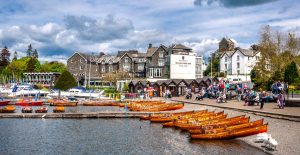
point(47, 79)
point(239, 62)
point(155, 64)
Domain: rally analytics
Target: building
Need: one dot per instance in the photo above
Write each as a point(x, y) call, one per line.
point(199, 67)
point(238, 62)
point(226, 44)
point(157, 63)
point(47, 79)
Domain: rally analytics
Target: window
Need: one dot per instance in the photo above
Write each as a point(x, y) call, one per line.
point(80, 60)
point(80, 67)
point(157, 72)
point(238, 72)
point(71, 61)
point(238, 65)
point(225, 59)
point(161, 62)
point(103, 68)
point(226, 66)
point(110, 68)
point(256, 57)
point(96, 69)
point(141, 60)
point(248, 58)
point(126, 59)
point(140, 66)
point(151, 72)
point(238, 58)
point(126, 67)
point(161, 54)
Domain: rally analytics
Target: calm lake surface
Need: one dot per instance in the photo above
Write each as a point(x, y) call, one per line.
point(106, 136)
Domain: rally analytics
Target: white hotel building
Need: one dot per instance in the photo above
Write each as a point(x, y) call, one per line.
point(238, 63)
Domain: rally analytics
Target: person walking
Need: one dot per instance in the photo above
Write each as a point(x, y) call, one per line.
point(280, 100)
point(263, 99)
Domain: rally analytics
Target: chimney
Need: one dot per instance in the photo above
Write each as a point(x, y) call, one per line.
point(150, 45)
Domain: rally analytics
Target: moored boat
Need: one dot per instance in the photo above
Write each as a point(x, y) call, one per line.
point(27, 110)
point(8, 109)
point(43, 109)
point(29, 102)
point(4, 103)
point(232, 134)
point(59, 109)
point(63, 103)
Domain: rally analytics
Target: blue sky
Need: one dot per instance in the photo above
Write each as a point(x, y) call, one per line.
point(58, 28)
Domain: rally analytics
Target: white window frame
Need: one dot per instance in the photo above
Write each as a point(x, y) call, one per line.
point(237, 58)
point(161, 54)
point(103, 69)
point(110, 69)
point(140, 66)
point(238, 65)
point(225, 66)
point(161, 62)
point(225, 59)
point(150, 72)
point(157, 72)
point(141, 60)
point(126, 59)
point(80, 67)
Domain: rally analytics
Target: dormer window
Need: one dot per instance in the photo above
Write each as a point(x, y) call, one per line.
point(126, 59)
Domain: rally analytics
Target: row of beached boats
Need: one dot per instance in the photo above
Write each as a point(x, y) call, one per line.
point(206, 124)
point(28, 109)
point(152, 106)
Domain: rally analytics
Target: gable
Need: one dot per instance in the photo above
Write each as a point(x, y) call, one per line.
point(76, 54)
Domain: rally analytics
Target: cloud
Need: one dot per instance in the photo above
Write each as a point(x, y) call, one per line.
point(105, 29)
point(231, 3)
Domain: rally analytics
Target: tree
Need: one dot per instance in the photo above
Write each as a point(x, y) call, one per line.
point(126, 87)
point(35, 54)
point(4, 57)
point(29, 51)
point(53, 66)
point(291, 73)
point(65, 81)
point(215, 62)
point(15, 56)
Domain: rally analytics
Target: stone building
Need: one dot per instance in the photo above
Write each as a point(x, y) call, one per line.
point(226, 44)
point(153, 65)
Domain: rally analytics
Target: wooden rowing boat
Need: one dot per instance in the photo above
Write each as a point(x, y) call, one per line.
point(27, 110)
point(232, 134)
point(63, 103)
point(43, 109)
point(8, 109)
point(169, 118)
point(59, 109)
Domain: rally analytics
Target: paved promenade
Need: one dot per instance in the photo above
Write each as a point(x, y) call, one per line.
point(270, 109)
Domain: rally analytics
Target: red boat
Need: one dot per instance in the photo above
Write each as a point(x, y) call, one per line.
point(3, 103)
point(28, 102)
point(27, 110)
point(43, 109)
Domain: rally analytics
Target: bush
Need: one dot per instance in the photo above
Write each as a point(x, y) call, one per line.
point(65, 81)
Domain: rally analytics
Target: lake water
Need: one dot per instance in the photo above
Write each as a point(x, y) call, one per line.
point(106, 136)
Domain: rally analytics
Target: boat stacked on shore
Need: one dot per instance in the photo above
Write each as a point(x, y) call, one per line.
point(100, 103)
point(152, 106)
point(8, 109)
point(206, 124)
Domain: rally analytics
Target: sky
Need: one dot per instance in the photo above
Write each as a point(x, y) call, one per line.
point(59, 28)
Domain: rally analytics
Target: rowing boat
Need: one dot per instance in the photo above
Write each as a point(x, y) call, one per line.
point(232, 134)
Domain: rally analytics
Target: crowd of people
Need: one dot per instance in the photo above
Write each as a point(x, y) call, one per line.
point(223, 91)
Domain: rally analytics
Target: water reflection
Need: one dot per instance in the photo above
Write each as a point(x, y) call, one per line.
point(105, 136)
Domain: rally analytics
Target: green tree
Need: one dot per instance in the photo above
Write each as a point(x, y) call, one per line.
point(35, 54)
point(291, 73)
point(65, 81)
point(29, 51)
point(126, 87)
point(4, 57)
point(53, 66)
point(214, 60)
point(15, 56)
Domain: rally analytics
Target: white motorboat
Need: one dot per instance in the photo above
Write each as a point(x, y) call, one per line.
point(77, 93)
point(26, 90)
